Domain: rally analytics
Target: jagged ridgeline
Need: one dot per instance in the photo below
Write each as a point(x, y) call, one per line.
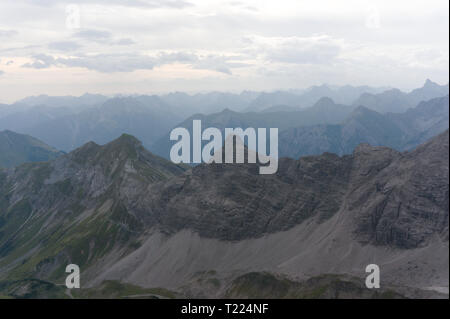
point(128, 217)
point(75, 209)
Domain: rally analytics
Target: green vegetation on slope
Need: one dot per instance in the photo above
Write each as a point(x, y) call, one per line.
point(266, 285)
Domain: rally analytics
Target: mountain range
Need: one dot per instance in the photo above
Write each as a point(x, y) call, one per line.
point(307, 98)
point(138, 224)
point(362, 179)
point(324, 111)
point(396, 101)
point(68, 122)
point(329, 127)
point(401, 131)
point(64, 101)
point(66, 129)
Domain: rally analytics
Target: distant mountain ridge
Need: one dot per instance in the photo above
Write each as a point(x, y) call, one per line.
point(396, 101)
point(103, 123)
point(324, 111)
point(68, 122)
point(401, 131)
point(16, 149)
point(307, 98)
point(64, 101)
point(329, 127)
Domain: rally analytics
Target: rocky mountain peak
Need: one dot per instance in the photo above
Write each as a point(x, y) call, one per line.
point(126, 146)
point(429, 83)
point(119, 160)
point(325, 103)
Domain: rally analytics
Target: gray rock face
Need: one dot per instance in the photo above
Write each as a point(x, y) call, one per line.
point(402, 198)
point(78, 202)
point(234, 202)
point(394, 198)
point(112, 209)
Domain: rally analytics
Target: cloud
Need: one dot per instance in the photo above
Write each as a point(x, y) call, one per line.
point(110, 63)
point(153, 4)
point(125, 41)
point(102, 37)
point(105, 63)
point(7, 33)
point(243, 5)
point(64, 46)
point(218, 63)
point(93, 35)
point(222, 64)
point(320, 49)
point(429, 55)
point(298, 44)
point(41, 61)
point(22, 51)
point(172, 57)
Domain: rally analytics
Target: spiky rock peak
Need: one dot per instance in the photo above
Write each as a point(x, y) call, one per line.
point(125, 144)
point(429, 84)
point(97, 216)
point(376, 186)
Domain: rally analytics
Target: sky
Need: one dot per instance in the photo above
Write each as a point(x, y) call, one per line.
point(68, 47)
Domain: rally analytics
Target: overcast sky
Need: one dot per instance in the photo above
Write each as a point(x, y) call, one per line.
point(68, 47)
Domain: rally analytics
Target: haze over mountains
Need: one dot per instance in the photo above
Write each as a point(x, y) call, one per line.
point(396, 101)
point(67, 101)
point(135, 222)
point(68, 122)
point(325, 111)
point(307, 98)
point(104, 123)
point(328, 127)
point(401, 131)
point(224, 149)
point(16, 149)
